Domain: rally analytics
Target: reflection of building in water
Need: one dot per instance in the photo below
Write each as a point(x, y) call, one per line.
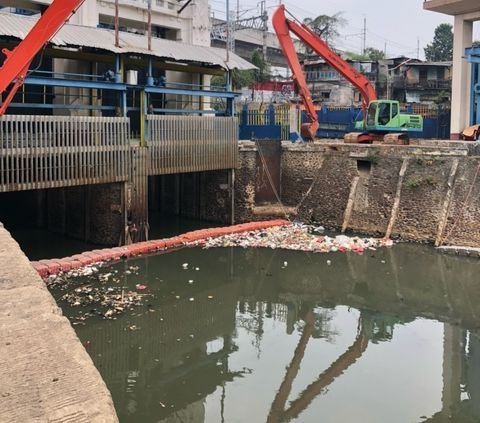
point(178, 356)
point(192, 413)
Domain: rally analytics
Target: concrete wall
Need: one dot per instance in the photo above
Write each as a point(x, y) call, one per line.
point(46, 373)
point(415, 193)
point(92, 213)
point(201, 195)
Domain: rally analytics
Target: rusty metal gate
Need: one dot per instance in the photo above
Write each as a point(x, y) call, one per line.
point(267, 185)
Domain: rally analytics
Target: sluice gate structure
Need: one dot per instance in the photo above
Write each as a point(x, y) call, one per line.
point(101, 131)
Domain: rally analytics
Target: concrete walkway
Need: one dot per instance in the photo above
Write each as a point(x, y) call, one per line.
point(46, 374)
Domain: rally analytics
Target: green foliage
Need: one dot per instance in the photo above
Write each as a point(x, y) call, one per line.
point(326, 27)
point(262, 73)
point(373, 158)
point(415, 182)
point(371, 53)
point(245, 78)
point(441, 48)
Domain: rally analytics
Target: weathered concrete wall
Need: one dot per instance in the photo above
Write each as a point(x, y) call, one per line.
point(46, 373)
point(428, 192)
point(92, 213)
point(200, 195)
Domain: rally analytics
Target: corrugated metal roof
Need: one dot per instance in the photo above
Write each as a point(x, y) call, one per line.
point(443, 64)
point(104, 39)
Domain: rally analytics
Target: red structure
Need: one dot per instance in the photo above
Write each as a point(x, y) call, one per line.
point(15, 67)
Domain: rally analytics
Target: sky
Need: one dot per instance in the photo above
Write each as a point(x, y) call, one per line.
point(394, 25)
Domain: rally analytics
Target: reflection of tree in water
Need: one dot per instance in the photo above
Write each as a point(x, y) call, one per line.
point(322, 324)
point(251, 316)
point(380, 326)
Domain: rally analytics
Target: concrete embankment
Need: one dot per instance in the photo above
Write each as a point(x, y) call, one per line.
point(46, 373)
point(428, 191)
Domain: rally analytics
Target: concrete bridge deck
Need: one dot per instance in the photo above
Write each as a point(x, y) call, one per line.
point(47, 376)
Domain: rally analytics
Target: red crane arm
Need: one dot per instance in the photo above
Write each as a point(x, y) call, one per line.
point(283, 26)
point(17, 61)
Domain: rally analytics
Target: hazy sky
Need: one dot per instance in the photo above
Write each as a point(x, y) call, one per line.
point(396, 24)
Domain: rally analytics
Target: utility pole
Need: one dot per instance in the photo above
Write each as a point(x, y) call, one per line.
point(418, 48)
point(238, 10)
point(228, 29)
point(117, 41)
point(364, 47)
point(149, 24)
point(264, 14)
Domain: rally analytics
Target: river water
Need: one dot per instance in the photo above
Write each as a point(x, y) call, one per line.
point(258, 335)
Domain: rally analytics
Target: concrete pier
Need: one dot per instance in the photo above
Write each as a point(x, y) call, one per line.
point(47, 375)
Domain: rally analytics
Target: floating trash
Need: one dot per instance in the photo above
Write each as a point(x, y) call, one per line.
point(96, 296)
point(185, 266)
point(298, 237)
point(140, 287)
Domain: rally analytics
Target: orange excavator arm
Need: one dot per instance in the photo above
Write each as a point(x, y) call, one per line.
point(15, 67)
point(283, 26)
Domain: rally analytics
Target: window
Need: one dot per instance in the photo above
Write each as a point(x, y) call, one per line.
point(394, 109)
point(372, 110)
point(383, 113)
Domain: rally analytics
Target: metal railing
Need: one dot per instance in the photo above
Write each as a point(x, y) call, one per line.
point(191, 143)
point(39, 152)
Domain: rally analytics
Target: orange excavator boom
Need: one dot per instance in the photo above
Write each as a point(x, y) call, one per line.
point(15, 66)
point(283, 26)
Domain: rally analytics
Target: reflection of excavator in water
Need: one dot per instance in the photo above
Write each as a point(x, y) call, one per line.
point(278, 413)
point(371, 328)
point(382, 120)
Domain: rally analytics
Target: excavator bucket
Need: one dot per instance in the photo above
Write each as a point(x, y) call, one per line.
point(306, 132)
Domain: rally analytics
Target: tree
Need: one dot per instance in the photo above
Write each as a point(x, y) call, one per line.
point(245, 78)
point(262, 73)
point(326, 27)
point(374, 53)
point(441, 48)
point(371, 53)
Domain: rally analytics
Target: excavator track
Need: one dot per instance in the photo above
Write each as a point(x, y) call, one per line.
point(396, 139)
point(374, 138)
point(357, 138)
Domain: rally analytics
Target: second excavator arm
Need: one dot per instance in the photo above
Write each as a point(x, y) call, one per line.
point(283, 26)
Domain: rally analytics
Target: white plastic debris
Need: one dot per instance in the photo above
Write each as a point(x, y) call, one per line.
point(185, 266)
point(295, 237)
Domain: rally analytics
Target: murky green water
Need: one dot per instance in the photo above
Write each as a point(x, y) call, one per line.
point(390, 336)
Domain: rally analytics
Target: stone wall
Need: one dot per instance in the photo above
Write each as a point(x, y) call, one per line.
point(428, 192)
point(200, 195)
point(91, 213)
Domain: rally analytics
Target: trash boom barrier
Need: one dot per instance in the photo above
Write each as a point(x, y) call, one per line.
point(49, 267)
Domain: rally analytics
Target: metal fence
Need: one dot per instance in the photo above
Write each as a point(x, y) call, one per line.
point(191, 143)
point(274, 122)
point(52, 151)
